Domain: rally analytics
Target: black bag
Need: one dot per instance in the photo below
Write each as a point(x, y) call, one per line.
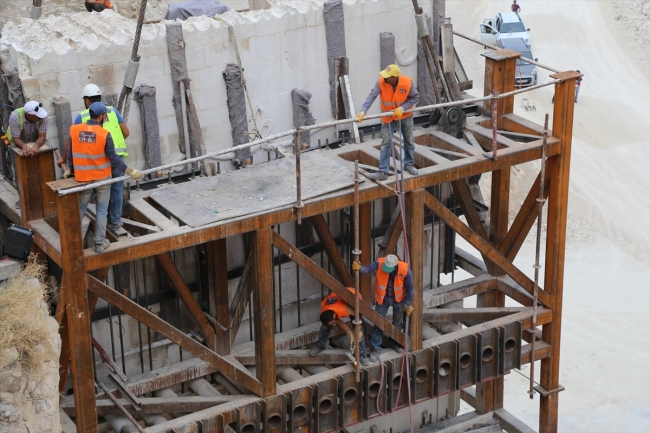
point(18, 243)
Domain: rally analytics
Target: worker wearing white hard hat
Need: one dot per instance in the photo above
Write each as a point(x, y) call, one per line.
point(119, 132)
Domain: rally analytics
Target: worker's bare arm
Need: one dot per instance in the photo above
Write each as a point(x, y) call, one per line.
point(125, 130)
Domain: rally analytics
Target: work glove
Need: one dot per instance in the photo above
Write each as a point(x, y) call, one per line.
point(356, 266)
point(67, 174)
point(408, 309)
point(135, 174)
point(352, 341)
point(398, 113)
point(359, 335)
point(360, 116)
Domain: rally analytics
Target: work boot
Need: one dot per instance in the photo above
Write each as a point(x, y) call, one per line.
point(99, 248)
point(17, 205)
point(115, 227)
point(396, 347)
point(374, 356)
point(364, 360)
point(410, 169)
point(380, 175)
point(316, 350)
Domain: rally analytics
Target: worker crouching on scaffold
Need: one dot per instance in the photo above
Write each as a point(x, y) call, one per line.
point(333, 309)
point(393, 288)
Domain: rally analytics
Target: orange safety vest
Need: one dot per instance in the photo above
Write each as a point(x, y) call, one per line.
point(88, 156)
point(381, 281)
point(390, 99)
point(336, 304)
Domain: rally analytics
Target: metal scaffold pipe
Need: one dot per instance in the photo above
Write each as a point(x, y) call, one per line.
point(357, 254)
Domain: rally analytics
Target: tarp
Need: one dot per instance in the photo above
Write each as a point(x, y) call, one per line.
point(195, 8)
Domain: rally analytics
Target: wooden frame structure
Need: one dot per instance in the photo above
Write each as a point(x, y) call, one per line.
point(56, 222)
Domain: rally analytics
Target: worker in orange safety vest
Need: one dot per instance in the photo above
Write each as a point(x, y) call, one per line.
point(393, 288)
point(396, 93)
point(333, 309)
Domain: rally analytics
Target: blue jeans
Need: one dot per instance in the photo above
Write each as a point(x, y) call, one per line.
point(398, 319)
point(117, 199)
point(325, 333)
point(387, 142)
point(102, 197)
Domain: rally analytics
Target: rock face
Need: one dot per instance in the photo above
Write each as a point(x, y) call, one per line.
point(29, 391)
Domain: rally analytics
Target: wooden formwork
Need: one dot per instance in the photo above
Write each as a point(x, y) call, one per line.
point(438, 362)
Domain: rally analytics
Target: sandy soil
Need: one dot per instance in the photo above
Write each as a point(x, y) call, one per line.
point(605, 361)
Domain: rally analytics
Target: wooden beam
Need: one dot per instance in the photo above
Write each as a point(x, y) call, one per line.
point(182, 237)
point(445, 141)
point(470, 263)
point(558, 169)
point(185, 294)
point(458, 290)
point(500, 76)
point(329, 244)
point(300, 357)
point(240, 300)
point(77, 318)
point(185, 404)
point(513, 290)
point(510, 423)
point(217, 259)
point(415, 235)
point(29, 184)
point(542, 351)
point(515, 123)
point(524, 220)
point(47, 239)
point(468, 314)
point(263, 317)
point(177, 337)
point(331, 283)
point(483, 246)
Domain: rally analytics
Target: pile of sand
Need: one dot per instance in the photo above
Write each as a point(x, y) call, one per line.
point(633, 18)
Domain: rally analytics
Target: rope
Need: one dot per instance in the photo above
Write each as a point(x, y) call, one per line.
point(124, 103)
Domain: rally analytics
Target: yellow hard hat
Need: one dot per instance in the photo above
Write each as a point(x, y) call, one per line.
point(390, 71)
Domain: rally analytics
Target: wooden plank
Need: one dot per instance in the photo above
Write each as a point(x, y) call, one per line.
point(558, 168)
point(240, 300)
point(323, 277)
point(542, 351)
point(263, 314)
point(300, 357)
point(524, 220)
point(458, 290)
point(415, 235)
point(460, 71)
point(510, 423)
point(515, 123)
point(448, 51)
point(447, 142)
point(484, 137)
point(483, 246)
point(469, 137)
point(348, 103)
point(217, 259)
point(468, 314)
point(177, 337)
point(185, 294)
point(185, 404)
point(47, 239)
point(518, 136)
point(509, 288)
point(28, 187)
point(182, 237)
point(470, 263)
point(46, 173)
point(144, 211)
point(138, 227)
point(450, 77)
point(67, 425)
point(77, 318)
point(333, 254)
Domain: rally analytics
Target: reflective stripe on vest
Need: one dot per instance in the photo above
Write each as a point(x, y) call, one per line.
point(381, 281)
point(390, 99)
point(88, 156)
point(336, 304)
point(112, 125)
point(21, 121)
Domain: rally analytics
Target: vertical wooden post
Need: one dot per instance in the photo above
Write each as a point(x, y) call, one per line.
point(218, 293)
point(264, 326)
point(500, 76)
point(29, 190)
point(415, 233)
point(78, 320)
point(365, 242)
point(558, 169)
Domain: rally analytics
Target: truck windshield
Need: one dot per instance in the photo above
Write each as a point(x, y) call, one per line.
point(512, 27)
point(526, 54)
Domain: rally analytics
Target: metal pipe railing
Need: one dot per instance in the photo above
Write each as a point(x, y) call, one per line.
point(301, 129)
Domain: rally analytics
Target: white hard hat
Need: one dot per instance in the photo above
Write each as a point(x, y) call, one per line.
point(91, 90)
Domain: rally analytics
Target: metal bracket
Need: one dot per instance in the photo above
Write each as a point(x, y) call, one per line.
point(545, 393)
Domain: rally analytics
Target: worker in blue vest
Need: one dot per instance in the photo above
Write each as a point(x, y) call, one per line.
point(119, 132)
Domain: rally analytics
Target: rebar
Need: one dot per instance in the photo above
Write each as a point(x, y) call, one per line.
point(299, 204)
point(356, 253)
point(495, 96)
point(540, 208)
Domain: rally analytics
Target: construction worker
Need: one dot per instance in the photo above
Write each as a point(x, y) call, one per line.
point(98, 5)
point(119, 132)
point(333, 309)
point(92, 158)
point(393, 288)
point(27, 129)
point(396, 92)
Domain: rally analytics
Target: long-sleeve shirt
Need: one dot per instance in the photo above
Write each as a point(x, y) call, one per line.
point(411, 100)
point(408, 281)
point(117, 162)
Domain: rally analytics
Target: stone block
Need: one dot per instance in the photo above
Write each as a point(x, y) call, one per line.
point(9, 268)
point(150, 67)
point(195, 58)
point(31, 89)
point(12, 381)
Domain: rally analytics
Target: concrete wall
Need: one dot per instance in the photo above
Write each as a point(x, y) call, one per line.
point(282, 48)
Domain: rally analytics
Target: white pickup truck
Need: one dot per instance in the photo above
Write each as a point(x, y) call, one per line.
point(506, 25)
